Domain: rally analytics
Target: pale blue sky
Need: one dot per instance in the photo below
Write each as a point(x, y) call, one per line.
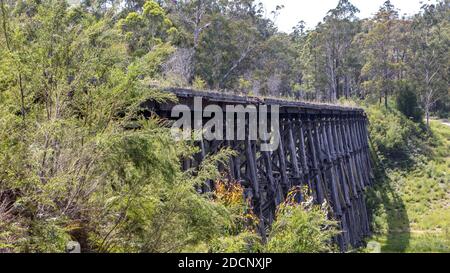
point(313, 11)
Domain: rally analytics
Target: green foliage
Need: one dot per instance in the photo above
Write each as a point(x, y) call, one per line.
point(159, 209)
point(239, 234)
point(302, 228)
point(392, 135)
point(415, 243)
point(199, 83)
point(71, 167)
point(430, 59)
point(47, 237)
point(407, 103)
point(409, 202)
point(245, 242)
point(146, 28)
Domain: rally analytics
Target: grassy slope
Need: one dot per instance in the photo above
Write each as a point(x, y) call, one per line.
point(413, 210)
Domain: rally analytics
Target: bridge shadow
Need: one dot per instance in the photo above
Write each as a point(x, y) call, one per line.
point(384, 200)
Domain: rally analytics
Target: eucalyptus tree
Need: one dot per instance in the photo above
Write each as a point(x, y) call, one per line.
point(338, 30)
point(223, 37)
point(327, 53)
point(430, 54)
point(193, 18)
point(379, 46)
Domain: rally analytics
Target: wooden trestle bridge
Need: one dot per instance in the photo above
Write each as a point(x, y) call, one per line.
point(322, 146)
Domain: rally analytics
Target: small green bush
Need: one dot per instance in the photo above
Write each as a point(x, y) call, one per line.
point(302, 228)
point(408, 104)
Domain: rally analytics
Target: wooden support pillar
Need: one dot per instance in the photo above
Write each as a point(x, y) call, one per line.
point(186, 164)
point(334, 181)
point(303, 157)
point(252, 172)
point(294, 156)
point(353, 152)
point(238, 164)
point(359, 154)
point(365, 149)
point(338, 187)
point(346, 154)
point(282, 166)
point(275, 191)
point(366, 139)
point(314, 142)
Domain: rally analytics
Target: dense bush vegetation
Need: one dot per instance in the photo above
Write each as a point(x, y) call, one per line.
point(408, 104)
point(393, 136)
point(70, 168)
point(302, 228)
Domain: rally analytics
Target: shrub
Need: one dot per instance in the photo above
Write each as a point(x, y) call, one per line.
point(392, 135)
point(240, 236)
point(302, 228)
point(198, 83)
point(408, 104)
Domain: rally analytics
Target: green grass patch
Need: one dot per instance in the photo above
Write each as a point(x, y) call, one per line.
point(410, 203)
point(407, 242)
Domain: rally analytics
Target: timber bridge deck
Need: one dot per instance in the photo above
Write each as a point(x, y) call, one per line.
point(322, 146)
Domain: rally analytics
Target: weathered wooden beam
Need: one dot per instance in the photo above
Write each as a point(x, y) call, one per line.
point(329, 143)
point(303, 157)
point(314, 143)
point(293, 153)
point(282, 166)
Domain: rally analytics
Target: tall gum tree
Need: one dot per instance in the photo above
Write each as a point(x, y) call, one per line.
point(379, 49)
point(430, 57)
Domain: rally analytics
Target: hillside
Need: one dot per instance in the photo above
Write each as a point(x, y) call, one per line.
point(412, 201)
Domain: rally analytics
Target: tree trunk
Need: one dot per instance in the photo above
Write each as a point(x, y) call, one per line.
point(386, 99)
